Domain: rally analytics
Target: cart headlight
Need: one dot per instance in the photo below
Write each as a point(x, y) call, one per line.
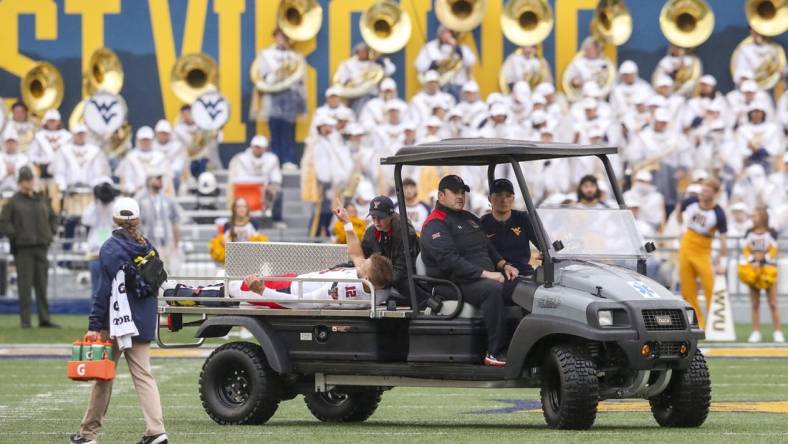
point(691, 318)
point(605, 318)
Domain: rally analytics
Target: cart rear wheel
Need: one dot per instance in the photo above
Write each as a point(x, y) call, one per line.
point(344, 404)
point(238, 387)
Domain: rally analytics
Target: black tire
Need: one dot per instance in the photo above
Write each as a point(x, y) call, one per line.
point(686, 400)
point(344, 405)
point(570, 388)
point(238, 387)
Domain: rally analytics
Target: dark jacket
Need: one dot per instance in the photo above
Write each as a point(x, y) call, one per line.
point(454, 246)
point(390, 245)
point(28, 221)
point(118, 250)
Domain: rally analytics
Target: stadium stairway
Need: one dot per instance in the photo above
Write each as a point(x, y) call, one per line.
point(199, 225)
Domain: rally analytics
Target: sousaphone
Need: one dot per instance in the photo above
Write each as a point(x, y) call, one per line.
point(768, 18)
point(460, 16)
point(524, 23)
point(386, 29)
point(42, 88)
point(686, 24)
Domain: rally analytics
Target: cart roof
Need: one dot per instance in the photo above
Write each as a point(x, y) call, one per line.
point(483, 151)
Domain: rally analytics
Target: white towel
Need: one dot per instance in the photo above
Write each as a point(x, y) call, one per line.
point(121, 325)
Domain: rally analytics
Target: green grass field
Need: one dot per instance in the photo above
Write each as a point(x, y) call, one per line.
point(38, 404)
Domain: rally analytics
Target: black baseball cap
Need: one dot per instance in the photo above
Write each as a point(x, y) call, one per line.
point(454, 183)
point(381, 206)
point(25, 173)
point(501, 185)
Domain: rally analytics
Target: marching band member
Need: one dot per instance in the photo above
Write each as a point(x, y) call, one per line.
point(782, 111)
point(628, 87)
point(592, 91)
point(324, 152)
point(79, 162)
point(777, 188)
point(11, 161)
point(456, 127)
point(668, 151)
point(433, 130)
point(357, 66)
point(652, 204)
point(753, 55)
point(24, 125)
point(257, 164)
point(590, 66)
point(713, 141)
point(442, 53)
point(471, 107)
point(281, 109)
point(751, 187)
point(373, 112)
point(497, 125)
point(747, 98)
point(556, 104)
point(696, 106)
point(424, 101)
point(522, 65)
point(676, 61)
point(663, 87)
point(172, 150)
point(47, 142)
point(739, 220)
point(133, 169)
point(636, 120)
point(390, 134)
point(332, 106)
point(736, 96)
point(520, 102)
point(759, 140)
point(336, 165)
point(199, 144)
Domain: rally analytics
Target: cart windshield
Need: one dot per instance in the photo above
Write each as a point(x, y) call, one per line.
point(595, 234)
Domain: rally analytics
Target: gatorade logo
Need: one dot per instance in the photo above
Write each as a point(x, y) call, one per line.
point(81, 369)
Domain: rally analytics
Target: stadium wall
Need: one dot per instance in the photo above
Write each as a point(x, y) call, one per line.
point(150, 35)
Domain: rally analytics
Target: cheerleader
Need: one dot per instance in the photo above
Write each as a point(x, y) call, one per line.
point(758, 270)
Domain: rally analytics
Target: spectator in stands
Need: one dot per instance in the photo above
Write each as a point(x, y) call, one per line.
point(417, 209)
point(160, 218)
point(758, 270)
point(359, 224)
point(258, 165)
point(384, 237)
point(588, 193)
point(509, 231)
point(11, 161)
point(240, 227)
point(30, 224)
point(97, 218)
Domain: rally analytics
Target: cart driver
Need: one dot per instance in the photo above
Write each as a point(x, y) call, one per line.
point(376, 269)
point(454, 246)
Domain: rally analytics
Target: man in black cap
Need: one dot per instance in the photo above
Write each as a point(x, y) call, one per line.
point(384, 237)
point(454, 246)
point(510, 231)
point(30, 224)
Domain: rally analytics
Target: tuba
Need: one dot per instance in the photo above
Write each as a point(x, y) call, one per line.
point(767, 18)
point(460, 16)
point(527, 22)
point(386, 29)
point(686, 24)
point(42, 88)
